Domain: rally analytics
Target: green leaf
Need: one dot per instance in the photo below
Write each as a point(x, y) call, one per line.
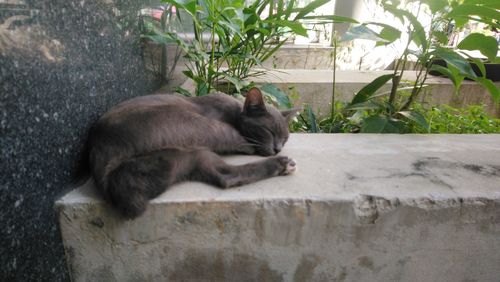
point(455, 60)
point(279, 8)
point(366, 105)
point(455, 77)
point(189, 74)
point(487, 45)
point(158, 38)
point(458, 76)
point(418, 31)
point(250, 17)
point(310, 8)
point(480, 65)
point(258, 6)
point(495, 4)
point(201, 89)
point(182, 91)
point(390, 34)
point(296, 27)
point(332, 18)
point(474, 10)
point(380, 124)
point(231, 28)
point(270, 51)
point(289, 8)
point(417, 118)
point(492, 88)
point(361, 32)
point(234, 81)
point(393, 9)
point(436, 5)
point(441, 37)
point(312, 119)
point(189, 5)
point(370, 89)
point(281, 97)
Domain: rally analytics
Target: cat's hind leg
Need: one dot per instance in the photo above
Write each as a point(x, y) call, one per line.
point(131, 182)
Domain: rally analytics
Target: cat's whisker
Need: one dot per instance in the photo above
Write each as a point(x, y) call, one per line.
point(260, 146)
point(255, 142)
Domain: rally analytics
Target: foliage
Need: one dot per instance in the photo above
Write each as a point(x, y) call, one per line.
point(471, 120)
point(230, 39)
point(391, 112)
point(441, 119)
point(153, 22)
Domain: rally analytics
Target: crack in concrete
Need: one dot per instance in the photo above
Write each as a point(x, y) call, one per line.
point(369, 208)
point(426, 164)
point(426, 169)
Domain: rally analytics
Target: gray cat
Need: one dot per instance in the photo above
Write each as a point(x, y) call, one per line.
point(144, 145)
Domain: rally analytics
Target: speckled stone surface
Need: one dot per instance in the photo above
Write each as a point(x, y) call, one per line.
point(62, 64)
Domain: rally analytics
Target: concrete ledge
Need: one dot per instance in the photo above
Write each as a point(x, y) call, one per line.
point(360, 208)
point(314, 87)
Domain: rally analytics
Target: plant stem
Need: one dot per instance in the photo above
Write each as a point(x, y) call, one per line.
point(419, 82)
point(399, 74)
point(417, 88)
point(404, 59)
point(212, 56)
point(332, 111)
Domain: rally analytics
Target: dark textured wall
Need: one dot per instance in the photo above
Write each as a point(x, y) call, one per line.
point(62, 64)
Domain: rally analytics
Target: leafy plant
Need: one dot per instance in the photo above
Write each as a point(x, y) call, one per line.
point(391, 112)
point(470, 120)
point(440, 119)
point(153, 23)
point(308, 122)
point(231, 39)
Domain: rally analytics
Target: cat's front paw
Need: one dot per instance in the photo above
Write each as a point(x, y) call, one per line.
point(289, 165)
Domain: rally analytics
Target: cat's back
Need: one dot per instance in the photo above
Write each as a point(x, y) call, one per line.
point(155, 121)
point(217, 105)
point(149, 103)
point(142, 118)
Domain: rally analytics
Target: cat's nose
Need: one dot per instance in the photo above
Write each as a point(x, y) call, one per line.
point(277, 148)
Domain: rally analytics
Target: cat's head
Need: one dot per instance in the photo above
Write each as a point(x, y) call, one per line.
point(266, 128)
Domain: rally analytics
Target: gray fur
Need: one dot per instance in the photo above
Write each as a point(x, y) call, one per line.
point(144, 145)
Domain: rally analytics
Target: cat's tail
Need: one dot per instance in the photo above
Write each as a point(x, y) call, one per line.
point(129, 184)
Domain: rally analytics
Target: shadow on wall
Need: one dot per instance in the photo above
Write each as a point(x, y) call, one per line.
point(62, 64)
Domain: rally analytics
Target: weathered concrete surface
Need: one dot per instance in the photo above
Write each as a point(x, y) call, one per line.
point(314, 56)
point(360, 208)
point(301, 57)
point(314, 87)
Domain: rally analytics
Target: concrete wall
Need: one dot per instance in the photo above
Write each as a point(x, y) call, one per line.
point(314, 87)
point(301, 57)
point(360, 208)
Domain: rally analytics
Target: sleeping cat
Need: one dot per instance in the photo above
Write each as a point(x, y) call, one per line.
point(144, 145)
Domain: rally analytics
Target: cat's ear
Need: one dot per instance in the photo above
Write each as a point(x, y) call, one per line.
point(289, 114)
point(254, 102)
